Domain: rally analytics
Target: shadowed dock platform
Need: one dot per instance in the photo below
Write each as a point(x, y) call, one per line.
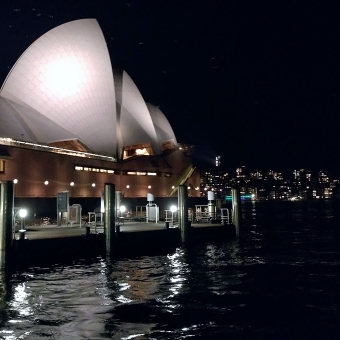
point(137, 238)
point(51, 231)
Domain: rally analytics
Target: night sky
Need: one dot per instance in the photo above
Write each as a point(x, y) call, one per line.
point(256, 82)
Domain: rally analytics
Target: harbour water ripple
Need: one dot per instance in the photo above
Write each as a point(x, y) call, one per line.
point(279, 280)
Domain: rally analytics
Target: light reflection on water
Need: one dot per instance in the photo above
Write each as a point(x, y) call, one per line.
point(278, 280)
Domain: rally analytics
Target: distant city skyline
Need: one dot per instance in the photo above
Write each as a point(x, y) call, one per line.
point(271, 184)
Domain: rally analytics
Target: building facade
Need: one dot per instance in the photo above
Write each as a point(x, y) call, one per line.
point(69, 121)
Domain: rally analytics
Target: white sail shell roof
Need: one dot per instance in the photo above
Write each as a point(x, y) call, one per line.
point(63, 88)
point(66, 77)
point(134, 118)
point(162, 126)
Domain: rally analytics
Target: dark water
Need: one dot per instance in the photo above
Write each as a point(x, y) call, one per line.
point(279, 280)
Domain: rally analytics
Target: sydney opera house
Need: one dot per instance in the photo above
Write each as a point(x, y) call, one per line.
point(70, 121)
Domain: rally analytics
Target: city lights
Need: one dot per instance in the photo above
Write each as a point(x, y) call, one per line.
point(271, 184)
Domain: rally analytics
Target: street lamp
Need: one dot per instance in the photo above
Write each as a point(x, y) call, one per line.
point(173, 210)
point(23, 214)
point(122, 209)
point(71, 184)
point(15, 181)
point(46, 184)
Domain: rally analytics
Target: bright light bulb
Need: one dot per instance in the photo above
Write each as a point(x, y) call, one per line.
point(22, 213)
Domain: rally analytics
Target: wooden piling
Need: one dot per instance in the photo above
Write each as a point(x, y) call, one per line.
point(183, 221)
point(109, 215)
point(6, 221)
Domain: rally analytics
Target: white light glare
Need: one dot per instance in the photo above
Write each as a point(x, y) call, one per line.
point(122, 208)
point(22, 213)
point(173, 208)
point(64, 76)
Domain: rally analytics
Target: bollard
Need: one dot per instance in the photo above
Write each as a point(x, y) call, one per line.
point(109, 215)
point(6, 221)
point(88, 229)
point(183, 211)
point(22, 233)
point(236, 209)
point(211, 205)
point(167, 225)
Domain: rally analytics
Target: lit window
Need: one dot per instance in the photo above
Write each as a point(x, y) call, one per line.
point(101, 170)
point(152, 174)
point(141, 152)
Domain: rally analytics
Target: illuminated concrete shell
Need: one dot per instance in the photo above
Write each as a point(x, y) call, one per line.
point(62, 88)
point(63, 94)
point(135, 125)
point(162, 126)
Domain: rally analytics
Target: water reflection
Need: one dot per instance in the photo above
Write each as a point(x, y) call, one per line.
point(279, 277)
point(61, 302)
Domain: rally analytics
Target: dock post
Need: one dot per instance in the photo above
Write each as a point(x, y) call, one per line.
point(211, 205)
point(117, 202)
point(236, 209)
point(109, 216)
point(183, 221)
point(6, 221)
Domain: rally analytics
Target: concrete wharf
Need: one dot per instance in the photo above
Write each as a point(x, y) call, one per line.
point(43, 242)
point(107, 236)
point(51, 231)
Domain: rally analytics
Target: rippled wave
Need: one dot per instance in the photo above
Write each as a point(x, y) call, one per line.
point(279, 280)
